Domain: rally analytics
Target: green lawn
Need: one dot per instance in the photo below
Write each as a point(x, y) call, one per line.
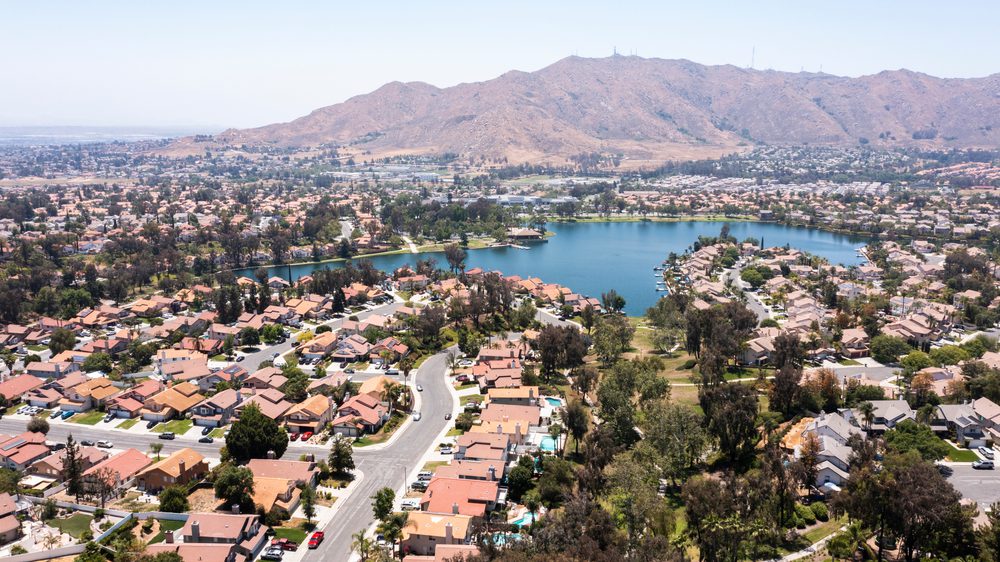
point(471, 384)
point(218, 433)
point(295, 534)
point(127, 424)
point(88, 418)
point(383, 434)
point(850, 362)
point(74, 525)
point(180, 427)
point(431, 466)
point(471, 398)
point(455, 432)
point(37, 347)
point(961, 455)
point(166, 525)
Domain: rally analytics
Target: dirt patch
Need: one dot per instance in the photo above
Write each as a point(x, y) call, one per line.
point(203, 500)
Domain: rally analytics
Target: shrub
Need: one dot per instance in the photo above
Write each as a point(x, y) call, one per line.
point(98, 513)
point(805, 514)
point(323, 329)
point(820, 511)
point(689, 364)
point(17, 549)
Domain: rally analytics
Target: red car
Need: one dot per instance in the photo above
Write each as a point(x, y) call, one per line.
point(293, 437)
point(307, 435)
point(315, 539)
point(284, 544)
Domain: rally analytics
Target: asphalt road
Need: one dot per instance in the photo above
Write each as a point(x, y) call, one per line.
point(981, 486)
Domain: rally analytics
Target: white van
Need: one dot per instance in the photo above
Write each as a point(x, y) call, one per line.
point(425, 475)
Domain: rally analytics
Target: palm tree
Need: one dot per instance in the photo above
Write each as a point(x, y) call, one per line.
point(406, 365)
point(555, 431)
point(867, 411)
point(453, 361)
point(391, 393)
point(156, 448)
point(392, 528)
point(362, 545)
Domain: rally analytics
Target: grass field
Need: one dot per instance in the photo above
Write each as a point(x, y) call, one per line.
point(180, 427)
point(218, 433)
point(127, 424)
point(294, 534)
point(384, 433)
point(463, 400)
point(166, 525)
point(74, 525)
point(88, 418)
point(961, 455)
point(431, 466)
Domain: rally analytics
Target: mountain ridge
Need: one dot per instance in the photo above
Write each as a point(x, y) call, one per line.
point(649, 110)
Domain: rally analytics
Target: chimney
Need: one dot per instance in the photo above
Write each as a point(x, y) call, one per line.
point(449, 533)
point(517, 432)
point(270, 455)
point(493, 473)
point(531, 392)
point(181, 465)
point(196, 531)
point(169, 537)
point(454, 508)
point(236, 509)
point(499, 429)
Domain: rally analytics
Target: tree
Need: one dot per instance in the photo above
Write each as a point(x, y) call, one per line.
point(174, 499)
point(249, 336)
point(787, 351)
point(577, 422)
point(520, 479)
point(72, 468)
point(362, 545)
point(254, 435)
point(612, 337)
point(98, 362)
point(235, 485)
point(392, 528)
point(809, 460)
point(989, 535)
point(612, 301)
point(887, 349)
point(61, 340)
point(588, 317)
point(308, 499)
point(909, 435)
point(341, 458)
point(104, 482)
point(455, 256)
point(156, 448)
point(560, 347)
point(676, 433)
point(382, 502)
point(752, 277)
point(785, 390)
point(731, 416)
point(38, 425)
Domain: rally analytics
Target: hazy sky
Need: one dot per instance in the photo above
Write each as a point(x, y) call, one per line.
point(220, 64)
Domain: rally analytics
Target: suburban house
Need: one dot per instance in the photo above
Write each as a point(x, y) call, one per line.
point(961, 422)
point(214, 537)
point(360, 414)
point(424, 532)
point(887, 413)
point(300, 472)
point(486, 447)
point(988, 413)
point(121, 469)
point(352, 348)
point(444, 553)
point(271, 403)
point(181, 467)
point(19, 452)
point(517, 396)
point(10, 525)
point(44, 397)
point(52, 465)
point(217, 410)
point(94, 393)
point(172, 402)
point(15, 388)
point(320, 346)
point(310, 415)
point(854, 343)
point(461, 496)
point(268, 377)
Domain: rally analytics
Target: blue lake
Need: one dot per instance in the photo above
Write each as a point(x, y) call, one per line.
point(591, 258)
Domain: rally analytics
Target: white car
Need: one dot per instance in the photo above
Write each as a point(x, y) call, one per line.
point(410, 504)
point(105, 444)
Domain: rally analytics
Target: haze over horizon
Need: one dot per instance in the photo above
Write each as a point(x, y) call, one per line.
point(220, 66)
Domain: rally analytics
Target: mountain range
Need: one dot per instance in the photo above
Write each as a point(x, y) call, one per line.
point(648, 111)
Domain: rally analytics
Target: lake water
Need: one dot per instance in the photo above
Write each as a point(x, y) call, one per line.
point(591, 258)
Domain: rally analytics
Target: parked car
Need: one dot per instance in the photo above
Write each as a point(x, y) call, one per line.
point(293, 437)
point(87, 443)
point(315, 539)
point(447, 451)
point(307, 435)
point(66, 415)
point(206, 440)
point(425, 475)
point(410, 504)
point(168, 435)
point(420, 388)
point(982, 465)
point(273, 553)
point(206, 430)
point(108, 418)
point(151, 424)
point(419, 486)
point(462, 378)
point(986, 452)
point(55, 415)
point(284, 544)
point(945, 470)
point(349, 371)
point(56, 446)
point(105, 444)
